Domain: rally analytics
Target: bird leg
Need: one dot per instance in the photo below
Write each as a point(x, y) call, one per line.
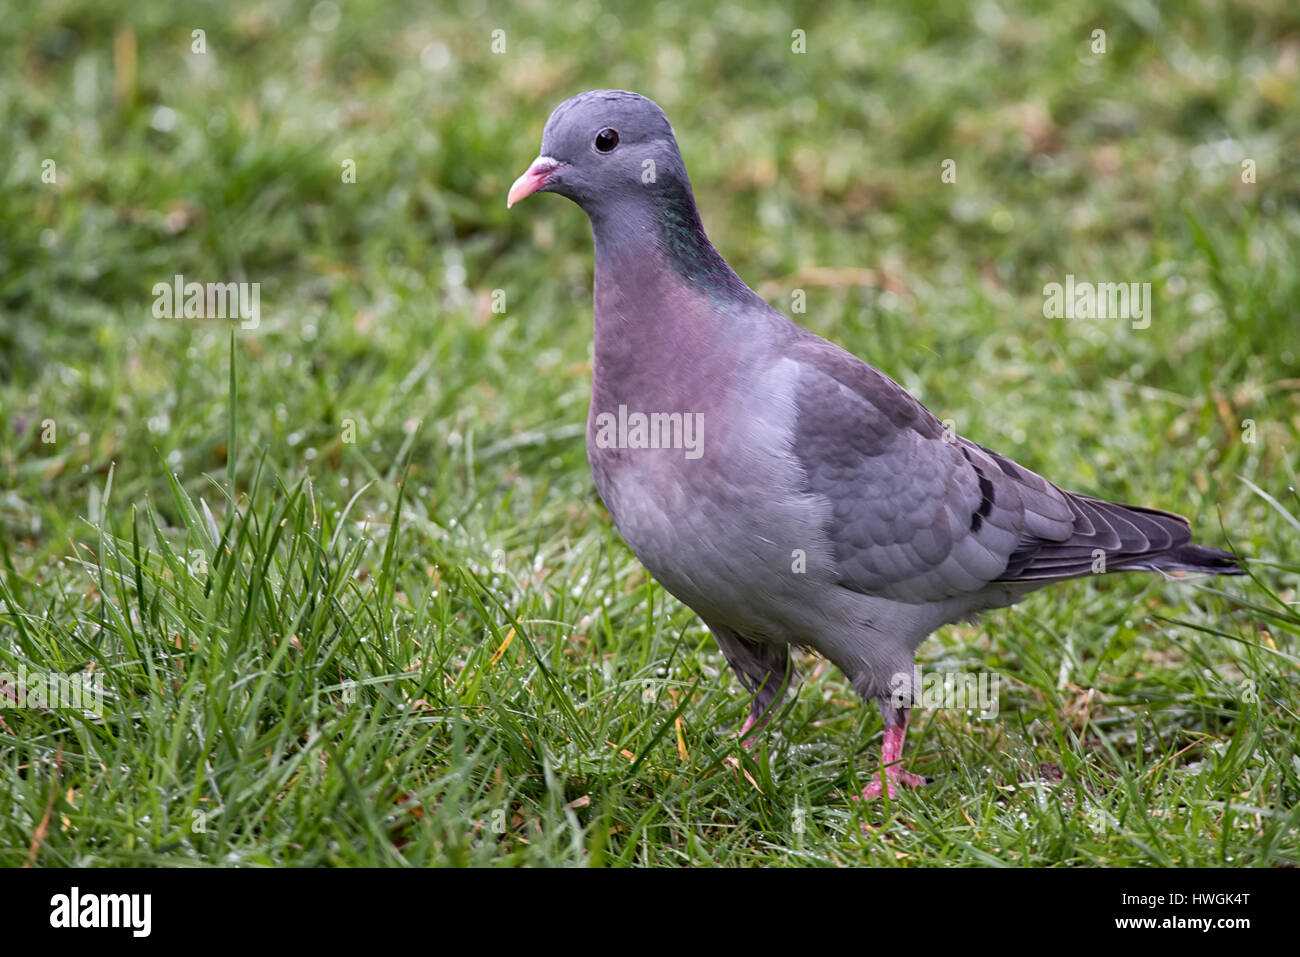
point(755, 719)
point(891, 753)
point(765, 671)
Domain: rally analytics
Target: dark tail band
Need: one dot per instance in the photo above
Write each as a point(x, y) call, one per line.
point(1189, 558)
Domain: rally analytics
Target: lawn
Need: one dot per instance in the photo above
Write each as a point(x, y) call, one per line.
point(341, 575)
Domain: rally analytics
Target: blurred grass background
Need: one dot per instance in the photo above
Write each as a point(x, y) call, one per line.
point(817, 171)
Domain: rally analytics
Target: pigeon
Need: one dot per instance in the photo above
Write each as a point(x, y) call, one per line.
point(783, 489)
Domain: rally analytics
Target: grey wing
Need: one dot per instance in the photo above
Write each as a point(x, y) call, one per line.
point(919, 514)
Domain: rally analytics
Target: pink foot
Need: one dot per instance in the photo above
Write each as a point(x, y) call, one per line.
point(891, 753)
point(893, 775)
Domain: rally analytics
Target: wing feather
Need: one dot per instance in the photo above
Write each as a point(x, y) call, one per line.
point(918, 514)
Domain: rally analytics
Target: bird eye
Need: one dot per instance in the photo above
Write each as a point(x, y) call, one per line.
point(606, 140)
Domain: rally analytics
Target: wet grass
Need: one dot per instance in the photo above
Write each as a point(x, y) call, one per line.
point(343, 578)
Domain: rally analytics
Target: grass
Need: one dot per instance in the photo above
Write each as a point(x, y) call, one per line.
point(344, 578)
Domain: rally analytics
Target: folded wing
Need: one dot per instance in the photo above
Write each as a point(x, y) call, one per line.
point(920, 514)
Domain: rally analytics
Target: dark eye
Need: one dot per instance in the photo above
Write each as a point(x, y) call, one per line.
point(606, 140)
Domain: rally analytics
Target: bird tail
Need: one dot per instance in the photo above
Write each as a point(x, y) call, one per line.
point(1189, 558)
point(1127, 537)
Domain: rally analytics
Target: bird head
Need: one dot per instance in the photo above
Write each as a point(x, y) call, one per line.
point(601, 147)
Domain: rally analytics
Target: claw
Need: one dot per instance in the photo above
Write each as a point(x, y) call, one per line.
point(893, 775)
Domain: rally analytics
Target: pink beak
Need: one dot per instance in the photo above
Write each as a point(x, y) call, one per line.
point(536, 176)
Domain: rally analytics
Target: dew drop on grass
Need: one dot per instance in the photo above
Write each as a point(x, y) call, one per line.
point(435, 56)
point(163, 119)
